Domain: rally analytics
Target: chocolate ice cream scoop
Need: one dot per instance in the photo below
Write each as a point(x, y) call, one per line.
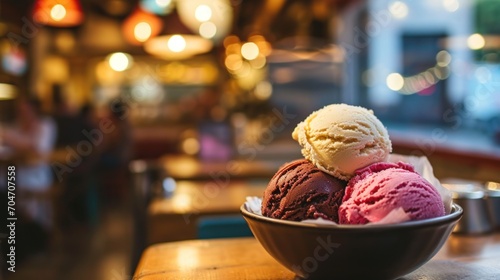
point(300, 191)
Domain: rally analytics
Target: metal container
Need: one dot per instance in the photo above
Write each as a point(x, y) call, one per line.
point(493, 193)
point(473, 199)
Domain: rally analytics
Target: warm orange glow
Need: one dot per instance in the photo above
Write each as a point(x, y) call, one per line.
point(233, 49)
point(58, 13)
point(141, 26)
point(233, 62)
point(263, 45)
point(7, 91)
point(249, 50)
point(175, 47)
point(142, 31)
point(176, 43)
point(231, 40)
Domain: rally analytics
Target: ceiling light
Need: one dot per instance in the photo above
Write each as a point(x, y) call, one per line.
point(176, 41)
point(140, 26)
point(203, 13)
point(219, 12)
point(58, 13)
point(177, 46)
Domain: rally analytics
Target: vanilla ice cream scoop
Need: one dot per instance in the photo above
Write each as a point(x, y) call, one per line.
point(340, 138)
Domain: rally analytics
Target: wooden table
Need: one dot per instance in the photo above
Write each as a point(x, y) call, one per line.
point(461, 257)
point(174, 218)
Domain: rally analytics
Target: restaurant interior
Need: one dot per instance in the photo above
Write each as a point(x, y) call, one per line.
point(159, 117)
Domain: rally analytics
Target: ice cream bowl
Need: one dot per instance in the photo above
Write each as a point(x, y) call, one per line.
point(326, 251)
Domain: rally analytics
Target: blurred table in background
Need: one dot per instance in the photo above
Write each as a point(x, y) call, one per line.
point(174, 217)
point(461, 257)
point(183, 167)
point(172, 193)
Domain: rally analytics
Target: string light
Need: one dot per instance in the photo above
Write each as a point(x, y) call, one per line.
point(424, 80)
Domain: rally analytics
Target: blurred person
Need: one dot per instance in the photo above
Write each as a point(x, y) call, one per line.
point(32, 139)
point(88, 208)
point(68, 119)
point(79, 204)
point(116, 152)
point(75, 162)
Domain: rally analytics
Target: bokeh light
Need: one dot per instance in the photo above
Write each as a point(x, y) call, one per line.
point(443, 58)
point(451, 5)
point(58, 12)
point(190, 146)
point(142, 31)
point(475, 41)
point(263, 90)
point(208, 30)
point(483, 74)
point(203, 13)
point(395, 81)
point(249, 51)
point(119, 61)
point(399, 9)
point(176, 43)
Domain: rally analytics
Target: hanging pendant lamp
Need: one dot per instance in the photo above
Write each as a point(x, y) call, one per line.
point(58, 13)
point(140, 26)
point(176, 41)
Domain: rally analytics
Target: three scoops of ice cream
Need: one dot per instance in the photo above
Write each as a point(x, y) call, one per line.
point(345, 177)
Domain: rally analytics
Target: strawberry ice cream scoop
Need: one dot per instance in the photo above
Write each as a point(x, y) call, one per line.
point(380, 188)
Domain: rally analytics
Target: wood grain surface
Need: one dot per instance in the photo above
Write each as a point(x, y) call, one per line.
point(461, 257)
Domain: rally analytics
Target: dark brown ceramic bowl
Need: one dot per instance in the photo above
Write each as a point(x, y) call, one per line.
point(352, 251)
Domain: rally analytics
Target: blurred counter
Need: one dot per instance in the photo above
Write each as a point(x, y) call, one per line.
point(453, 153)
point(182, 167)
point(153, 141)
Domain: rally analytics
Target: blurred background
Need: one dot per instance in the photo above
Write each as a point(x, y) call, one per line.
point(118, 89)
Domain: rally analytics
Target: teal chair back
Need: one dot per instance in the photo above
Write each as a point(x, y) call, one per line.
point(222, 227)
